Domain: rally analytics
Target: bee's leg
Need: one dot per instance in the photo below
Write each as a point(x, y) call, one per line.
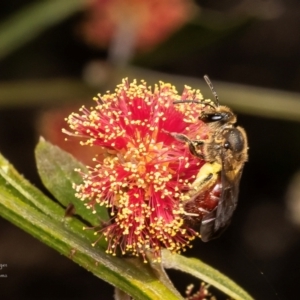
point(206, 178)
point(205, 181)
point(191, 143)
point(201, 182)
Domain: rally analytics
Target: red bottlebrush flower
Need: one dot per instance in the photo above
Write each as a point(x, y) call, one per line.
point(145, 173)
point(150, 21)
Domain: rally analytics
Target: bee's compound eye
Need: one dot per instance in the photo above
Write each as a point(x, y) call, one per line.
point(234, 140)
point(210, 117)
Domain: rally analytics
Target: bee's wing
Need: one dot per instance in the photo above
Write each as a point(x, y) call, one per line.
point(207, 228)
point(229, 199)
point(215, 222)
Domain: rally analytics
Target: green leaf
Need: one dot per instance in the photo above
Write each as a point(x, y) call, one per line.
point(204, 272)
point(19, 203)
point(57, 171)
point(12, 182)
point(32, 20)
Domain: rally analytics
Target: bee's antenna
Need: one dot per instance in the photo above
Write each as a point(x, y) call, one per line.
point(193, 101)
point(212, 89)
point(187, 101)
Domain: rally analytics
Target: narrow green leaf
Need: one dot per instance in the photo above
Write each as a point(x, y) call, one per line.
point(250, 100)
point(130, 275)
point(44, 92)
point(15, 184)
point(160, 272)
point(204, 272)
point(32, 20)
point(12, 180)
point(138, 282)
point(57, 171)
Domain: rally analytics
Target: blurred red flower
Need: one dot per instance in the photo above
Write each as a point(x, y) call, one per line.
point(149, 21)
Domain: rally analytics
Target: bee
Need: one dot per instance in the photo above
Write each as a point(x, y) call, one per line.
point(212, 198)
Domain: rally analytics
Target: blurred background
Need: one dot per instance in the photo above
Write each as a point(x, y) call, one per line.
point(55, 55)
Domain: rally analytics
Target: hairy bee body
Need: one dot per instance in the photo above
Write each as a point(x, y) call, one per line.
point(213, 195)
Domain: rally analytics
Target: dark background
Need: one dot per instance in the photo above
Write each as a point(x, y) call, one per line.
point(260, 250)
